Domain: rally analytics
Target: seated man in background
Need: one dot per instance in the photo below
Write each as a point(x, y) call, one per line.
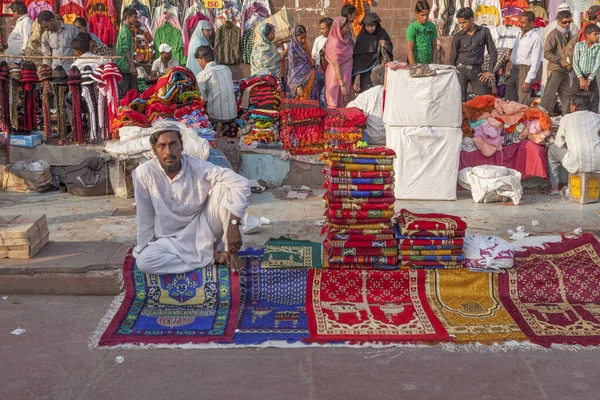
point(577, 143)
point(164, 63)
point(188, 210)
point(370, 103)
point(215, 82)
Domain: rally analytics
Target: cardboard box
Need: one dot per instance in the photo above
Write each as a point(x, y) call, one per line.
point(585, 187)
point(33, 140)
point(23, 237)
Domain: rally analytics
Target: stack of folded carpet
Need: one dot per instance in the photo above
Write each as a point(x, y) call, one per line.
point(344, 128)
point(302, 129)
point(359, 208)
point(260, 101)
point(430, 240)
point(261, 126)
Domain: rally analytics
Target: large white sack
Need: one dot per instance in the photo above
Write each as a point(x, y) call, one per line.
point(138, 144)
point(491, 183)
point(432, 101)
point(426, 166)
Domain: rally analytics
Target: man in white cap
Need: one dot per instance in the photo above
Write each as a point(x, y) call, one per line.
point(163, 65)
point(188, 210)
point(552, 25)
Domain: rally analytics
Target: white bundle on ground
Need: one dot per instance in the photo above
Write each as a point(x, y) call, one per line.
point(137, 142)
point(490, 183)
point(485, 253)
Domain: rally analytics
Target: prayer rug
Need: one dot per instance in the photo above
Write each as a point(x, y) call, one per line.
point(289, 253)
point(469, 306)
point(553, 293)
point(195, 307)
point(273, 303)
point(360, 306)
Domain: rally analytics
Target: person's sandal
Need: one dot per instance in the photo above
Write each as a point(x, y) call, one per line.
point(550, 192)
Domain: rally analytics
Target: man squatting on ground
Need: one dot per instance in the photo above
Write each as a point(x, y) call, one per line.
point(188, 210)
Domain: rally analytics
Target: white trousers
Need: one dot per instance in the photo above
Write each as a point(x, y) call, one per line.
point(161, 257)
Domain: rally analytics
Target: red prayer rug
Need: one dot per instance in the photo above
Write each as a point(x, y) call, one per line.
point(553, 293)
point(360, 306)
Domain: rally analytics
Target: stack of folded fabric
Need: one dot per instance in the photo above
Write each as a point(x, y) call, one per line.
point(359, 208)
point(261, 100)
point(261, 126)
point(430, 240)
point(302, 129)
point(344, 128)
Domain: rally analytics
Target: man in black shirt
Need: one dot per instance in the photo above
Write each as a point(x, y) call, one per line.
point(468, 50)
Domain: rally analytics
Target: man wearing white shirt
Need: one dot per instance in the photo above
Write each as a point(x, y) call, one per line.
point(370, 102)
point(82, 49)
point(526, 58)
point(324, 26)
point(17, 41)
point(577, 143)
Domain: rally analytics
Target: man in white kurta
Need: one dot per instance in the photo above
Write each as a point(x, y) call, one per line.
point(188, 210)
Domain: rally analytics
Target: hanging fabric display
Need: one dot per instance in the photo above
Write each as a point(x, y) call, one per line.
point(45, 73)
point(88, 94)
point(60, 78)
point(111, 76)
point(14, 74)
point(4, 97)
point(75, 87)
point(28, 79)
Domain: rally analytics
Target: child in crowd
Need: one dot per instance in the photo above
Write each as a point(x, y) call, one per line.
point(586, 63)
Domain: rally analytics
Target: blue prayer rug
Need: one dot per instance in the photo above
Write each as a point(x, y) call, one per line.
point(196, 307)
point(273, 303)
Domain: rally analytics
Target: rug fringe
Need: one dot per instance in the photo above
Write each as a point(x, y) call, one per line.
point(105, 321)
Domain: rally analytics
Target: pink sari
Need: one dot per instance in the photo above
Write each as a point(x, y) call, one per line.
point(338, 50)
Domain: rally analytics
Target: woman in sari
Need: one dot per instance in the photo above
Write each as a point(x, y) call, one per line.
point(338, 53)
point(300, 68)
point(199, 38)
point(265, 59)
point(373, 46)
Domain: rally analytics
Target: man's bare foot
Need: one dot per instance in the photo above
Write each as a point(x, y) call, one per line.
point(235, 263)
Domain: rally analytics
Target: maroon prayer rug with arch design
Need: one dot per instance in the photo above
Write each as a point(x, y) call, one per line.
point(553, 293)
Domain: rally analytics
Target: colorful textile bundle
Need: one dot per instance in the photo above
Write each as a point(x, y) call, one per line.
point(302, 129)
point(14, 75)
point(261, 96)
point(431, 241)
point(261, 126)
point(28, 81)
point(344, 128)
point(60, 78)
point(75, 87)
point(89, 97)
point(45, 74)
point(103, 121)
point(5, 96)
point(111, 77)
point(359, 228)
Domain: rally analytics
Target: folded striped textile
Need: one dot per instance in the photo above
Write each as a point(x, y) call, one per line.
point(359, 167)
point(359, 227)
point(362, 266)
point(363, 193)
point(418, 233)
point(363, 260)
point(333, 213)
point(366, 152)
point(442, 241)
point(361, 207)
point(359, 200)
point(359, 238)
point(459, 258)
point(360, 221)
point(429, 247)
point(450, 264)
point(361, 243)
point(368, 187)
point(360, 181)
point(431, 252)
point(358, 232)
point(358, 174)
point(425, 222)
point(363, 251)
point(433, 266)
point(356, 160)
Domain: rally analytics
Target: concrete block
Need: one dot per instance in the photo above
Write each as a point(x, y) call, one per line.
point(266, 167)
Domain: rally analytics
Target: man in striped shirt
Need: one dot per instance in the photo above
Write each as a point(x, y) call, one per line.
point(586, 63)
point(215, 83)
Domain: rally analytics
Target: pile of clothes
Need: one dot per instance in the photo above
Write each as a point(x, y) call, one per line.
point(173, 96)
point(302, 129)
point(260, 101)
point(430, 241)
point(344, 128)
point(491, 123)
point(359, 209)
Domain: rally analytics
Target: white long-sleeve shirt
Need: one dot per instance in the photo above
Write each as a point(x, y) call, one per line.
point(317, 47)
point(370, 102)
point(17, 41)
point(579, 131)
point(528, 50)
point(169, 210)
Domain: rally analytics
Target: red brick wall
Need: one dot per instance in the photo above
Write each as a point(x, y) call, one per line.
point(396, 15)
